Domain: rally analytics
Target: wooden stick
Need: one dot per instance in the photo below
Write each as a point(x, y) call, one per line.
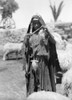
point(30, 34)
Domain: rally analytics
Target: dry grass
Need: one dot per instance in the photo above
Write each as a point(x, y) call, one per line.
point(12, 36)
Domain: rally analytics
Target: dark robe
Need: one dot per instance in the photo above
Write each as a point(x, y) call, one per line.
point(43, 78)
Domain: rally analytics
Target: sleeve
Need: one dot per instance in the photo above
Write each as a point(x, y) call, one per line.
point(49, 35)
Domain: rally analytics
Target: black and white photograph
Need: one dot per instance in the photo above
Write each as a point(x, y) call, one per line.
point(35, 50)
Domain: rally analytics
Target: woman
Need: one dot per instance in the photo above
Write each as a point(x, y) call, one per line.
point(40, 47)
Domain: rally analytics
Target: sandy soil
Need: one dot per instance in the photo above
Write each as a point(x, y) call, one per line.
point(12, 80)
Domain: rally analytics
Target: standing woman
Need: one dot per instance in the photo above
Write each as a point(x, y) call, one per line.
point(40, 54)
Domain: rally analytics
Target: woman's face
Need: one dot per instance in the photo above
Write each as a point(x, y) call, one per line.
point(36, 24)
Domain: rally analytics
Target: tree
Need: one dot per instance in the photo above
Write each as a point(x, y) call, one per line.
point(9, 7)
point(56, 11)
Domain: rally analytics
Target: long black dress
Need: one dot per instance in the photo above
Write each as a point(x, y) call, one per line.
point(43, 78)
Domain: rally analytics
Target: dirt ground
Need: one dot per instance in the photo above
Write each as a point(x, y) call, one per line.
point(12, 80)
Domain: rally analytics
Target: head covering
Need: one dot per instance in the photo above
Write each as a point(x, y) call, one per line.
point(35, 19)
point(39, 18)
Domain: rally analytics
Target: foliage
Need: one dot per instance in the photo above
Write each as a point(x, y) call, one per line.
point(56, 12)
point(9, 6)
